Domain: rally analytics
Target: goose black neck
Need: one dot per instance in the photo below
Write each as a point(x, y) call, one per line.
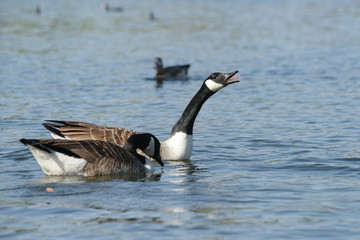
point(186, 122)
point(140, 158)
point(130, 147)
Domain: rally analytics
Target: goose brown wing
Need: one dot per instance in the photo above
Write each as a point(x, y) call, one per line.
point(88, 131)
point(109, 159)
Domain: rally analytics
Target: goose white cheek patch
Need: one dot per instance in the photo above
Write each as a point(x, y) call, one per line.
point(150, 150)
point(213, 86)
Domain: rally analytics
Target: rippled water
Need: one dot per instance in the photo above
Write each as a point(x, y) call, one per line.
point(275, 156)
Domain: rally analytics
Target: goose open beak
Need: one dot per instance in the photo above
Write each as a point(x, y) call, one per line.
point(230, 77)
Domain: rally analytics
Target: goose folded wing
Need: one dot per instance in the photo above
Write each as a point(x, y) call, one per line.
point(90, 150)
point(87, 131)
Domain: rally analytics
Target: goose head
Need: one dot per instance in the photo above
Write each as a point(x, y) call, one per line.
point(217, 81)
point(158, 63)
point(148, 145)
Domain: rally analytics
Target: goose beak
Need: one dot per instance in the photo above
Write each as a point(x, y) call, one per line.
point(158, 159)
point(230, 77)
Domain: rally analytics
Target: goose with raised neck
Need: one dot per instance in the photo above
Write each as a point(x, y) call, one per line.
point(177, 147)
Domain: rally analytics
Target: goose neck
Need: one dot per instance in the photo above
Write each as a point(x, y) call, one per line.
point(186, 122)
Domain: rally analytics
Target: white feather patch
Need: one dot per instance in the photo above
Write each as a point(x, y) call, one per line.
point(150, 150)
point(55, 163)
point(213, 86)
point(58, 137)
point(149, 168)
point(177, 147)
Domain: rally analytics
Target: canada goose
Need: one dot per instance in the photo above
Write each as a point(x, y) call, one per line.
point(177, 147)
point(107, 7)
point(93, 157)
point(172, 72)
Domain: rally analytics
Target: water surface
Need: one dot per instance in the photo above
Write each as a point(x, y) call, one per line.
point(275, 156)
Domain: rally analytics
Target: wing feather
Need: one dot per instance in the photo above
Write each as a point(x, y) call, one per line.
point(87, 131)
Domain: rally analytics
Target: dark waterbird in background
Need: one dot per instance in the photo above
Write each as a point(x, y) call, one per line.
point(151, 16)
point(107, 7)
point(177, 147)
point(93, 157)
point(171, 72)
point(38, 9)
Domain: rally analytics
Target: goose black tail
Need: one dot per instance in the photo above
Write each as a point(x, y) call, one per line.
point(35, 143)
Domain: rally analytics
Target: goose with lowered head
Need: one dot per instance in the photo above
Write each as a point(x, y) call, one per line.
point(94, 157)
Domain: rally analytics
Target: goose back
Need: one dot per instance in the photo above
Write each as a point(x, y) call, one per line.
point(87, 131)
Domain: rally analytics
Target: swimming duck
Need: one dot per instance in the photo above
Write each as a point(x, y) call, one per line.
point(177, 147)
point(107, 7)
point(38, 9)
point(172, 72)
point(94, 157)
point(151, 16)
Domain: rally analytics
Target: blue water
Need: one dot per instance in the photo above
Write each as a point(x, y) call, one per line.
point(275, 156)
